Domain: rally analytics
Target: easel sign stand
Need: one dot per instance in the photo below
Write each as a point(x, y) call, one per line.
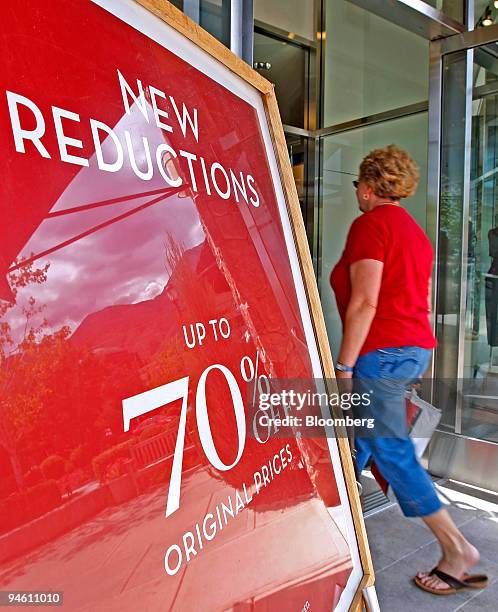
point(175, 277)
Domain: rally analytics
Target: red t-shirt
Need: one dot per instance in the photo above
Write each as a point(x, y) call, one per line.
point(389, 234)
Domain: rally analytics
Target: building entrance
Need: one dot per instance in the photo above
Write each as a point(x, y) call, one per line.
point(466, 363)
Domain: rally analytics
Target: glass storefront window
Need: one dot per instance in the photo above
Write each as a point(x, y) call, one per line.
point(294, 16)
point(214, 16)
point(370, 65)
point(484, 9)
point(450, 237)
point(453, 8)
point(342, 154)
point(302, 156)
point(287, 66)
point(285, 54)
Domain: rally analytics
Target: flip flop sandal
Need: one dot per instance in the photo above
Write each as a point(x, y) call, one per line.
point(469, 581)
point(475, 581)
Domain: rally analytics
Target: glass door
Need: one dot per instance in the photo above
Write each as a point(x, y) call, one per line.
point(467, 306)
point(466, 362)
point(479, 415)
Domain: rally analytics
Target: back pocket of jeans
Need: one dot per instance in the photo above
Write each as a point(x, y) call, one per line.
point(400, 367)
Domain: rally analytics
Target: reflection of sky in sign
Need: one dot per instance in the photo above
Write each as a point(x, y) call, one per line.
point(122, 263)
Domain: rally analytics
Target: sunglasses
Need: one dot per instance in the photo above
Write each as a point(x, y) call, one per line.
point(355, 184)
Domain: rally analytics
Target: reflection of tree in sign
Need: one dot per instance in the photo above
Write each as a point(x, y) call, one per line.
point(197, 290)
point(17, 419)
point(52, 391)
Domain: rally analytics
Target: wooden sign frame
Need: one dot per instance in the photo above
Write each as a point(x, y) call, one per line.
point(197, 35)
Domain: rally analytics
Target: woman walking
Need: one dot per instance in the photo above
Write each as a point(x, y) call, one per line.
point(382, 285)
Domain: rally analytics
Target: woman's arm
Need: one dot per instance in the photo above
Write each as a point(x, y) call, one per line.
point(366, 277)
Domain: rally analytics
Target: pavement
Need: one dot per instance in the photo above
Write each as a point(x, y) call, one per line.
point(402, 547)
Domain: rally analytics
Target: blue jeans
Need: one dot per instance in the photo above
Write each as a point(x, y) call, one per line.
point(384, 374)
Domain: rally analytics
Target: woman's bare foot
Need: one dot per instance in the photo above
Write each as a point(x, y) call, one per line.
point(455, 563)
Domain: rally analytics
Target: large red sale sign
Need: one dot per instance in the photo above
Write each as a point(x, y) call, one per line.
point(148, 277)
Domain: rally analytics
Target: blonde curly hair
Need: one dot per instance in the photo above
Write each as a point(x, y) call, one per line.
point(391, 172)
